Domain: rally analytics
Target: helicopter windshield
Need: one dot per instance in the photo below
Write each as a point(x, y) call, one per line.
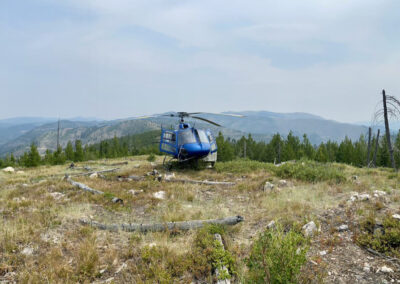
point(186, 137)
point(202, 136)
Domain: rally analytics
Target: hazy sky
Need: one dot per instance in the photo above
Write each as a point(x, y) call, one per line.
point(121, 58)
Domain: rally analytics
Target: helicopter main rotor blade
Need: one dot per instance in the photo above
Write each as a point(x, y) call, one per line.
point(206, 120)
point(225, 114)
point(154, 116)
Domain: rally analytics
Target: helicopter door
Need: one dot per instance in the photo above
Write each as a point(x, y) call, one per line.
point(168, 142)
point(213, 144)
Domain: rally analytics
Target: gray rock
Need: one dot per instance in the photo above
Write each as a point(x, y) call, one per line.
point(282, 183)
point(386, 269)
point(343, 228)
point(27, 251)
point(268, 186)
point(309, 229)
point(271, 225)
point(396, 216)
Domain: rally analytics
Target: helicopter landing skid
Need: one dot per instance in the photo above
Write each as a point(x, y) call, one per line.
point(167, 162)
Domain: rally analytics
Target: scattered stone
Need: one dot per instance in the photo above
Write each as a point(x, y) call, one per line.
point(152, 245)
point(9, 170)
point(379, 193)
point(25, 185)
point(135, 192)
point(354, 177)
point(57, 195)
point(10, 276)
point(103, 270)
point(386, 269)
point(364, 197)
point(309, 229)
point(122, 267)
point(27, 251)
point(366, 267)
point(396, 216)
point(282, 183)
point(94, 175)
point(268, 186)
point(159, 195)
point(117, 200)
point(271, 225)
point(169, 176)
point(361, 197)
point(322, 253)
point(343, 228)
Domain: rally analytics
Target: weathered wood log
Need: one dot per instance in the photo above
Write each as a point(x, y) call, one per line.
point(159, 227)
point(83, 186)
point(206, 182)
point(91, 190)
point(221, 272)
point(95, 172)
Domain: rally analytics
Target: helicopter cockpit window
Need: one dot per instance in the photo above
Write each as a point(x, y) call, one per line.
point(186, 137)
point(202, 136)
point(169, 137)
point(210, 137)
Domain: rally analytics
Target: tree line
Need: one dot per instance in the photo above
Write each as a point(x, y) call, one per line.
point(278, 149)
point(130, 145)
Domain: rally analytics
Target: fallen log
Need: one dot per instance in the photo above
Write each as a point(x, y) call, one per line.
point(222, 272)
point(95, 172)
point(159, 227)
point(91, 190)
point(206, 182)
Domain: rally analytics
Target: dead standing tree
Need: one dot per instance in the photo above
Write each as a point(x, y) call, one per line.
point(391, 108)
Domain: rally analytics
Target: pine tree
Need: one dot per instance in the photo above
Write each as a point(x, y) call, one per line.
point(33, 156)
point(78, 151)
point(48, 158)
point(69, 151)
point(58, 157)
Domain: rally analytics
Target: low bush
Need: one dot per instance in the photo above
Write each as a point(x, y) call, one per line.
point(307, 171)
point(384, 238)
point(242, 166)
point(277, 257)
point(151, 157)
point(310, 172)
point(208, 254)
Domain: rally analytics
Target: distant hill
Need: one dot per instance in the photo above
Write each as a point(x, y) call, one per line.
point(261, 124)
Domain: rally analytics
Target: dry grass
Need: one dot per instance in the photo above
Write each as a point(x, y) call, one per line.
point(41, 240)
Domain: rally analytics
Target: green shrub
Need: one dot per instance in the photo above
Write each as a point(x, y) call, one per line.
point(277, 257)
point(209, 255)
point(310, 172)
point(385, 240)
point(151, 157)
point(302, 170)
point(242, 166)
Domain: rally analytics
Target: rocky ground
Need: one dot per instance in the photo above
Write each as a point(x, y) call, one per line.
point(41, 239)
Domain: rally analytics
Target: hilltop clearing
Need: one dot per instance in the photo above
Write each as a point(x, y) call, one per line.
point(355, 211)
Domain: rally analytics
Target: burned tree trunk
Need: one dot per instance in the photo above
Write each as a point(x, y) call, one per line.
point(385, 113)
point(369, 146)
point(159, 227)
point(376, 148)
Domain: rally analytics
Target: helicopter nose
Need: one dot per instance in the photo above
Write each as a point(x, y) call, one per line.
point(198, 149)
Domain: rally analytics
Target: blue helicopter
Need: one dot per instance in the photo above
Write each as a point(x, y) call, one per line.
point(187, 143)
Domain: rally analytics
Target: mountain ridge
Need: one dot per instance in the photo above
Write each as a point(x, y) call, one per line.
point(261, 124)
